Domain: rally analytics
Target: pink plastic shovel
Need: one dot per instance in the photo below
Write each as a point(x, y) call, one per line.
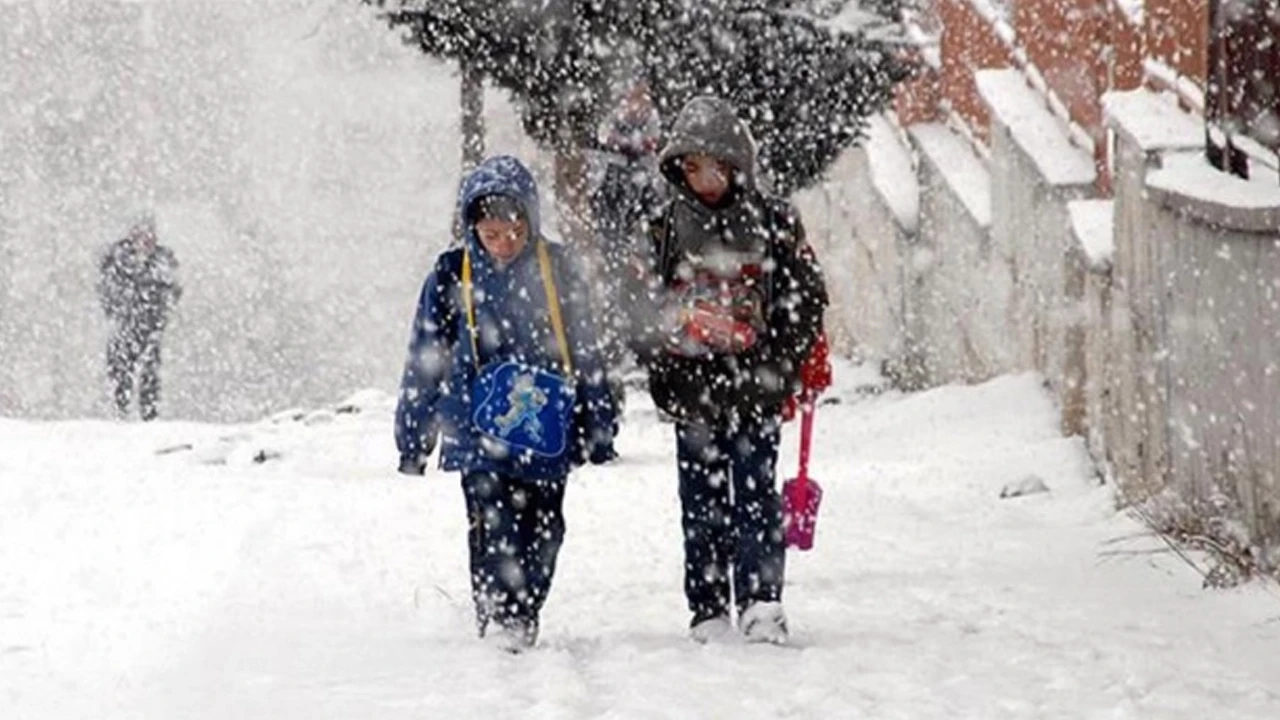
point(801, 495)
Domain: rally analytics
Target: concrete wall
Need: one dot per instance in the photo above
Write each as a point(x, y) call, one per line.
point(859, 240)
point(959, 284)
point(1205, 259)
point(1154, 316)
point(1098, 378)
point(1035, 174)
point(1138, 451)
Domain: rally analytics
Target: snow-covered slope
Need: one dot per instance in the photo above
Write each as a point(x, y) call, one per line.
point(201, 583)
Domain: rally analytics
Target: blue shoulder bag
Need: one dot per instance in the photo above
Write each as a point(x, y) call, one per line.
point(516, 406)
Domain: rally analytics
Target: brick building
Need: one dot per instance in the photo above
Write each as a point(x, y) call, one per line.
point(1072, 52)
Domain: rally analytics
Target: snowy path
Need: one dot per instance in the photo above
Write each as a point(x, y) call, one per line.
point(322, 585)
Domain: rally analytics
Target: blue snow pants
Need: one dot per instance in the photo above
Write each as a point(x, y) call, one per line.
point(731, 516)
point(515, 529)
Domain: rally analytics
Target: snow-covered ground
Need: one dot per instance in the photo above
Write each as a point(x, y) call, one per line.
point(317, 583)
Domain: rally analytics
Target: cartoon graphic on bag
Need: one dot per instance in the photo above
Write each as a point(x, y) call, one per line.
point(526, 400)
point(523, 407)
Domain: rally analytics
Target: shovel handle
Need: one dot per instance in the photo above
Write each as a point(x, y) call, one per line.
point(806, 439)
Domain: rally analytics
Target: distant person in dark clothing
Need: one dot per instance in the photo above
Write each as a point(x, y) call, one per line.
point(630, 190)
point(137, 287)
point(630, 185)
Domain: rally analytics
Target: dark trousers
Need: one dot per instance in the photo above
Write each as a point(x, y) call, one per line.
point(515, 532)
point(732, 516)
point(135, 351)
point(623, 199)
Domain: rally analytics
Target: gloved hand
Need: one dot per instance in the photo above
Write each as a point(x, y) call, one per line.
point(593, 442)
point(603, 454)
point(815, 377)
point(413, 464)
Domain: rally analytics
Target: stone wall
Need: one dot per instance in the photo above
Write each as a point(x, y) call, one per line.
point(1153, 316)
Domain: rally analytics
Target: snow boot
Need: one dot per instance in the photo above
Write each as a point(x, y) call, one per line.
point(710, 630)
point(764, 622)
point(512, 637)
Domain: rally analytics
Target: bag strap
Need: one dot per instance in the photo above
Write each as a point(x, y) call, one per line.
point(553, 304)
point(469, 301)
point(660, 240)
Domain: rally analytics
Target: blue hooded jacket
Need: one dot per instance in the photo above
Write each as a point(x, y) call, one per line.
point(514, 324)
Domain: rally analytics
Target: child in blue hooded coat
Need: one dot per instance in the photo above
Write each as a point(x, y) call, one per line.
point(502, 338)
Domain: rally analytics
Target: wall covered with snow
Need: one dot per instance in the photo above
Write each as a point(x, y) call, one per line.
point(902, 228)
point(1036, 173)
point(860, 237)
point(975, 284)
point(1197, 257)
point(1153, 315)
point(960, 288)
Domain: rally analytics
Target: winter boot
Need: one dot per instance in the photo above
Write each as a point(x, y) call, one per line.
point(764, 622)
point(512, 637)
point(710, 630)
point(618, 389)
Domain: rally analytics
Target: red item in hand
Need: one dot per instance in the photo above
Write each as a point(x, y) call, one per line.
point(802, 495)
point(718, 330)
point(815, 377)
point(815, 374)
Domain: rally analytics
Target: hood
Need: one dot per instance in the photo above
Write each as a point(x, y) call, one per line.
point(500, 175)
point(709, 125)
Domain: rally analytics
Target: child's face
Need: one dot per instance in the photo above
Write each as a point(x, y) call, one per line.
point(503, 239)
point(638, 98)
point(708, 177)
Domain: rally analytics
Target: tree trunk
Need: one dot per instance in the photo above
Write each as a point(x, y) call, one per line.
point(472, 126)
point(573, 207)
point(472, 118)
point(576, 220)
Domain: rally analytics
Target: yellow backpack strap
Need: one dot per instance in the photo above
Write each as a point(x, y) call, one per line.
point(468, 299)
point(553, 304)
